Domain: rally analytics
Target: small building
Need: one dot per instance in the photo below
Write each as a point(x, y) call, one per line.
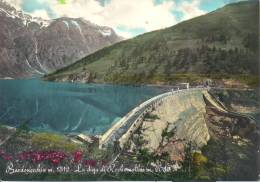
point(208, 83)
point(183, 85)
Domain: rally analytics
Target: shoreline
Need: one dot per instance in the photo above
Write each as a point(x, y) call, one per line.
point(155, 85)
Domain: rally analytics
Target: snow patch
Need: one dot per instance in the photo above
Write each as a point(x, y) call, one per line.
point(66, 23)
point(79, 28)
point(29, 65)
point(40, 21)
point(25, 18)
point(77, 25)
point(37, 59)
point(105, 32)
point(9, 14)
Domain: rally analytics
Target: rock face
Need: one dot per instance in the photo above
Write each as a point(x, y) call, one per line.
point(242, 101)
point(32, 46)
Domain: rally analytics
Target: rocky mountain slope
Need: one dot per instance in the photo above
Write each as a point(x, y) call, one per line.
point(221, 44)
point(30, 46)
point(242, 101)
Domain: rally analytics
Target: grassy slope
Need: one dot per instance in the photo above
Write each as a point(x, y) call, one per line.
point(221, 43)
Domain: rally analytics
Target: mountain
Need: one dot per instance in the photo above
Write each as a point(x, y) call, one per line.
point(221, 44)
point(33, 46)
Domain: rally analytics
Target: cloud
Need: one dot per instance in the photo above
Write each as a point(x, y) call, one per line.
point(139, 14)
point(131, 14)
point(190, 9)
point(40, 13)
point(146, 15)
point(124, 34)
point(37, 7)
point(87, 9)
point(129, 32)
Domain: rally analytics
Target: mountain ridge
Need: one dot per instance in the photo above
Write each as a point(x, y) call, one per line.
point(31, 46)
point(219, 45)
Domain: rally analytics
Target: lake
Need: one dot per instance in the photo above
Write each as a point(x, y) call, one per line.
point(68, 107)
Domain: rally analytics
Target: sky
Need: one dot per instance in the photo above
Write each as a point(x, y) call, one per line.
point(128, 18)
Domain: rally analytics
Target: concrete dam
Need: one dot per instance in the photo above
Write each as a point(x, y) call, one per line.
point(185, 108)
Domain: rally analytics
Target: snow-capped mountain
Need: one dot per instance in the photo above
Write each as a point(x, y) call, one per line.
point(33, 46)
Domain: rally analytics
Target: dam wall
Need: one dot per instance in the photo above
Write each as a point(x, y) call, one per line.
point(123, 129)
point(185, 114)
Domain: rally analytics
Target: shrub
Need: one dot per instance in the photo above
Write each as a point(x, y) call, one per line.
point(46, 141)
point(151, 116)
point(199, 159)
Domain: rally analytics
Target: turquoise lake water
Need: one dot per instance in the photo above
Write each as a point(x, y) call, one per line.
point(67, 107)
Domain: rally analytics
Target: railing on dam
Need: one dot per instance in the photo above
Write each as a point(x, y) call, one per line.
point(122, 130)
